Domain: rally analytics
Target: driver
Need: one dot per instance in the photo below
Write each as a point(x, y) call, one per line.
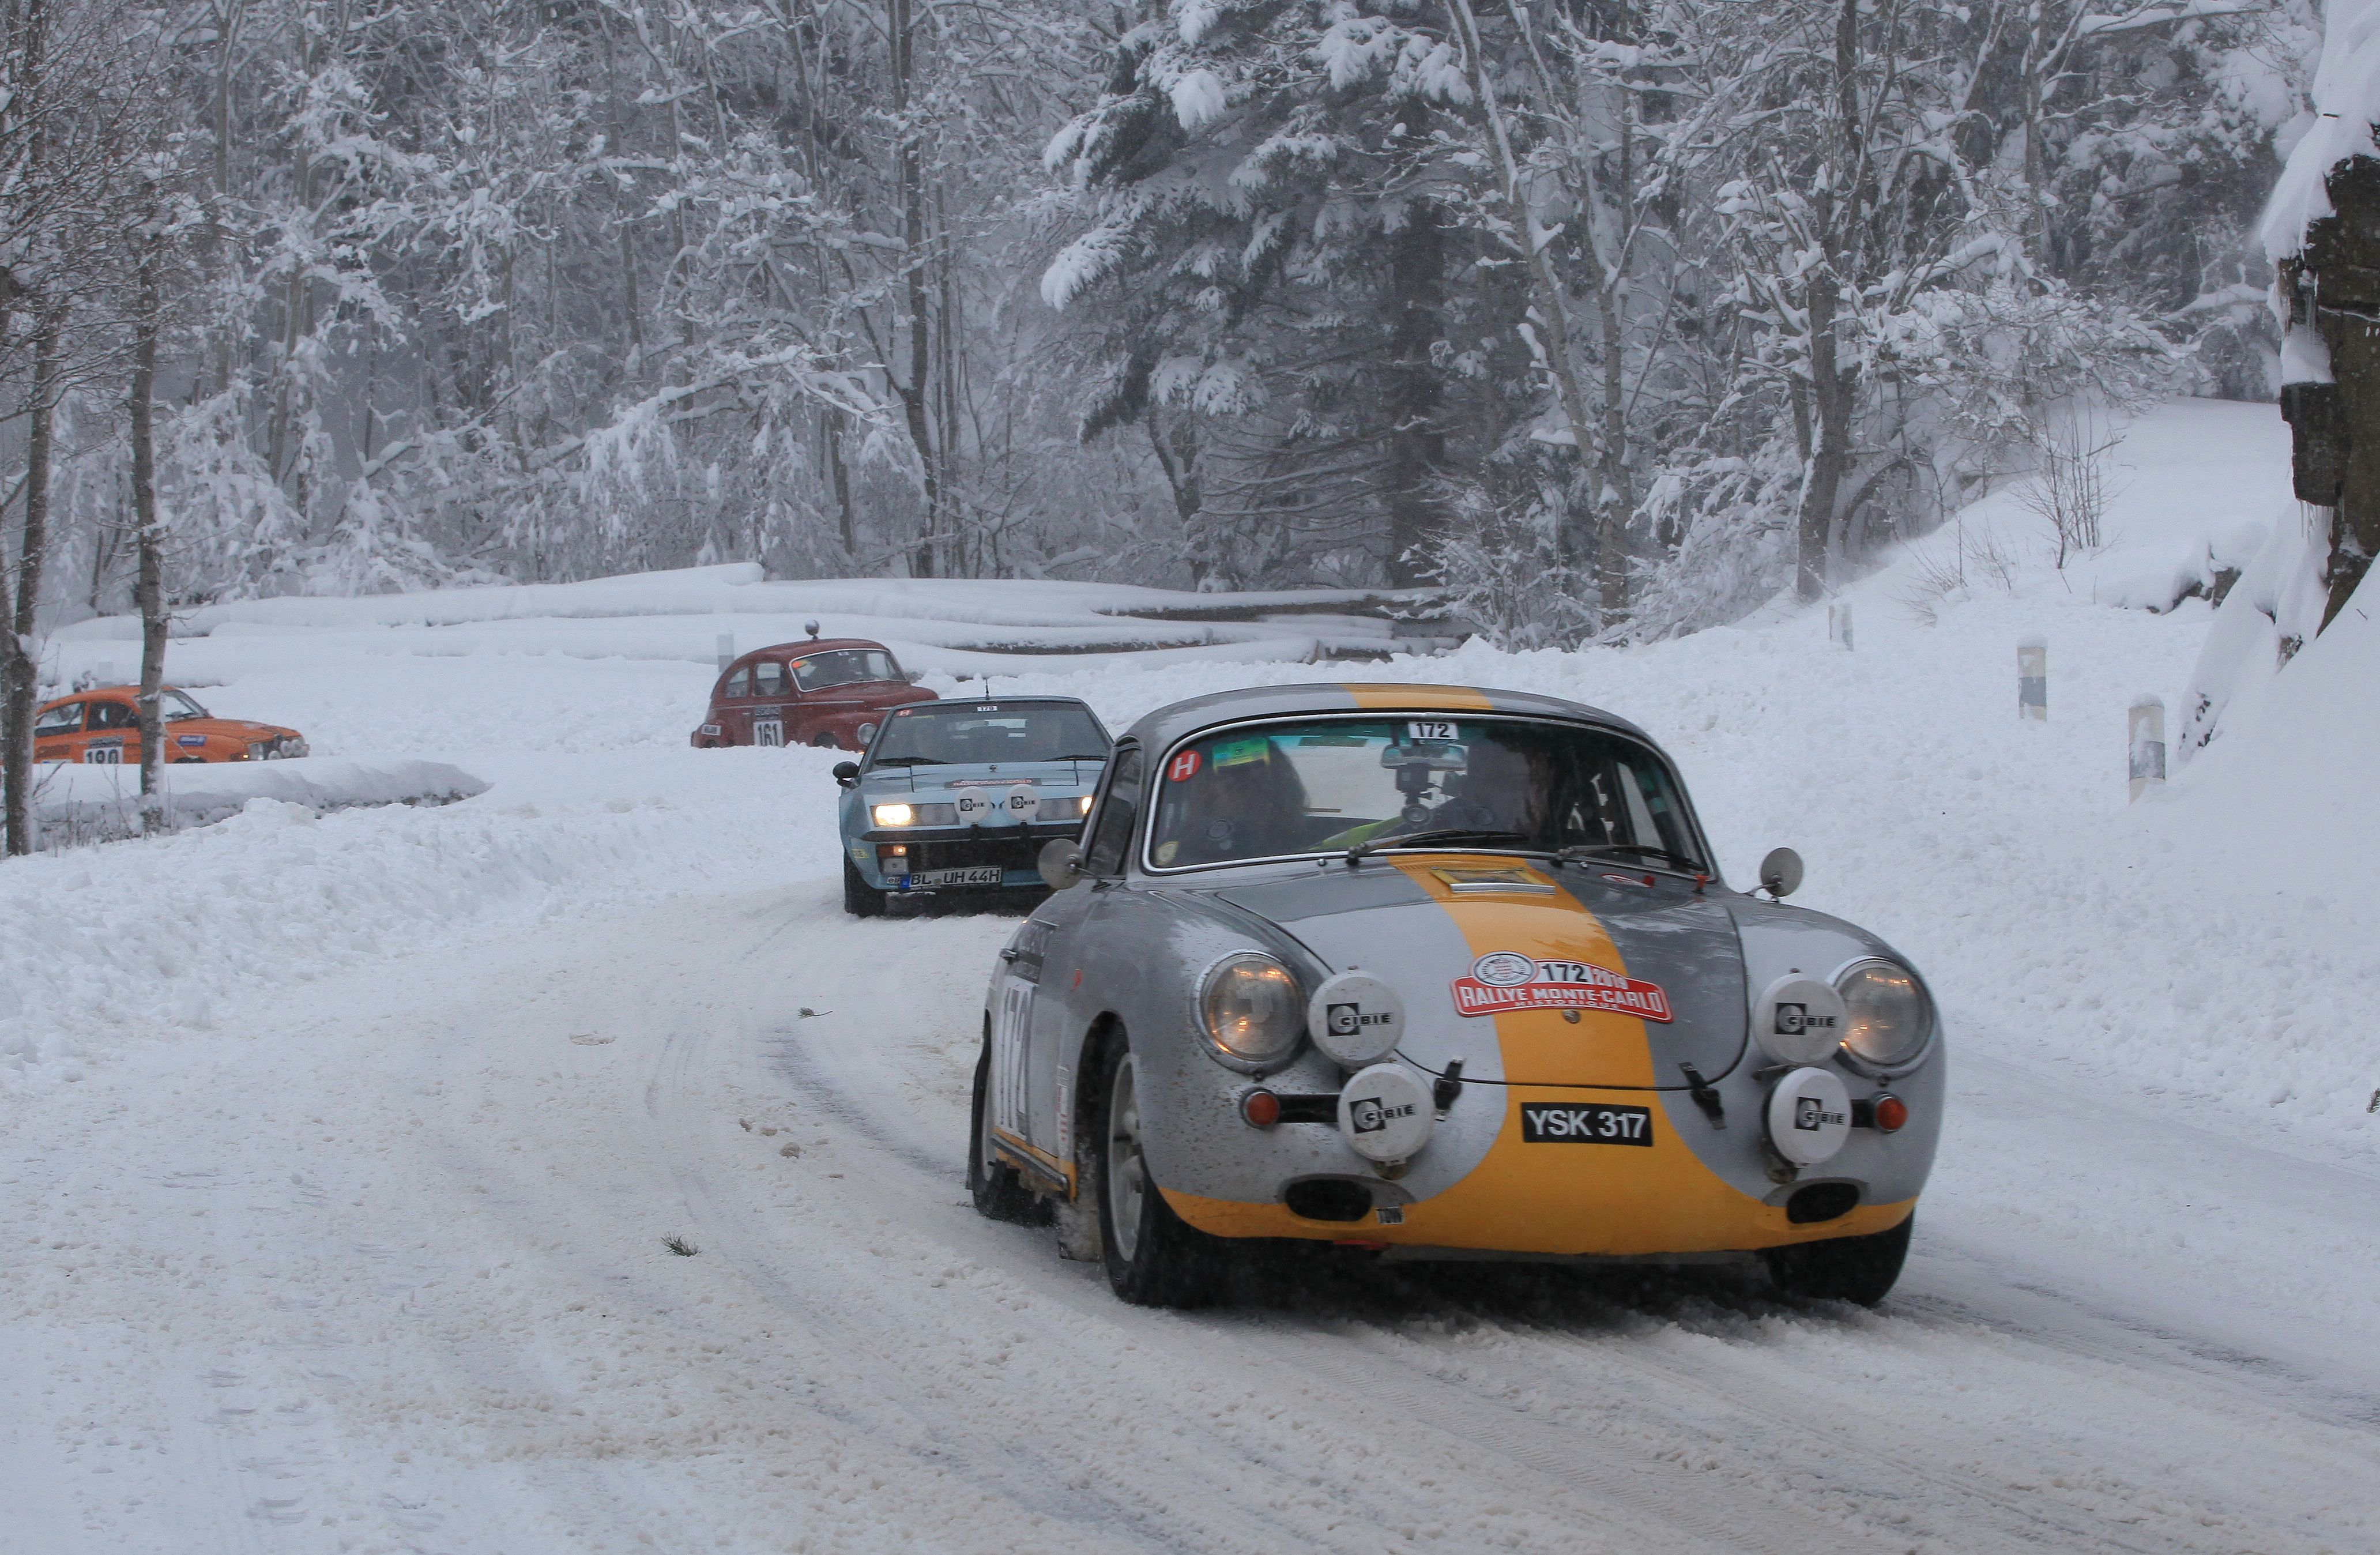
point(1499, 789)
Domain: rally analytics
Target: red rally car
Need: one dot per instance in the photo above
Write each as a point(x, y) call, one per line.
point(831, 691)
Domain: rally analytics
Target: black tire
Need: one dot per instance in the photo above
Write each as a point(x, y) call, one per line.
point(1153, 1258)
point(1857, 1269)
point(999, 1193)
point(859, 898)
point(824, 740)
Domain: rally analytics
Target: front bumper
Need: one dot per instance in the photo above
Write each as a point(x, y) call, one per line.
point(1479, 1189)
point(1016, 851)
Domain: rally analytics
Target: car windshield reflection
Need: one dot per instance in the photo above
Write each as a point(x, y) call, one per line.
point(948, 735)
point(845, 666)
point(1366, 785)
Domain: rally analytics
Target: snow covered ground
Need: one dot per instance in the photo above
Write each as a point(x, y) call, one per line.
point(336, 1153)
point(75, 803)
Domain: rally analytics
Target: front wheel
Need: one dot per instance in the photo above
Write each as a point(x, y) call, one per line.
point(1856, 1268)
point(1153, 1258)
point(999, 1193)
point(859, 898)
point(824, 740)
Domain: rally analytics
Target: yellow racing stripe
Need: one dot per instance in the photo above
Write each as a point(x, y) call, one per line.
point(1545, 924)
point(1548, 1197)
point(1374, 697)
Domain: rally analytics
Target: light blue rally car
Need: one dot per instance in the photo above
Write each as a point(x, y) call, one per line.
point(956, 795)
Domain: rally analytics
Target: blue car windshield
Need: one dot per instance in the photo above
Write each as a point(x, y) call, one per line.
point(1464, 782)
point(951, 733)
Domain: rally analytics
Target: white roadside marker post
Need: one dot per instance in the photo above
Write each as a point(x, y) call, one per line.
point(2145, 730)
point(726, 650)
point(1839, 624)
point(2032, 679)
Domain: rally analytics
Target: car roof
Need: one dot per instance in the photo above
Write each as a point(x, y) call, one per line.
point(1177, 721)
point(958, 701)
point(810, 644)
point(90, 691)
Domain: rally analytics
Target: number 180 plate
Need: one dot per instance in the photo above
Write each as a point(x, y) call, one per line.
point(1565, 1123)
point(982, 874)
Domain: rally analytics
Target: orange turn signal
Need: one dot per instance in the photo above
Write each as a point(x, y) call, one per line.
point(1890, 1113)
point(1261, 1108)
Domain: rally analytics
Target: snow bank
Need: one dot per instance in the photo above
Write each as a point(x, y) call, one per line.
point(953, 626)
point(2273, 609)
point(2293, 777)
point(178, 934)
point(2194, 488)
point(103, 801)
point(738, 589)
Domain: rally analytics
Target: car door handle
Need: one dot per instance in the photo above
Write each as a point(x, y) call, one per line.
point(1008, 956)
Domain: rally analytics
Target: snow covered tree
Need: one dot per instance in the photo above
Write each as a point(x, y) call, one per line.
point(70, 112)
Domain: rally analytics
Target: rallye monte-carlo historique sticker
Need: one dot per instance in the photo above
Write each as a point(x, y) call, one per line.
point(1503, 980)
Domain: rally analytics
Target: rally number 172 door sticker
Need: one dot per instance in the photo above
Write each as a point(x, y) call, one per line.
point(1505, 980)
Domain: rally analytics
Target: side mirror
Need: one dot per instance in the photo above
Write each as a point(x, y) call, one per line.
point(1780, 872)
point(846, 772)
point(1060, 863)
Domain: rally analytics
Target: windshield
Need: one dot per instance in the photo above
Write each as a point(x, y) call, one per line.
point(945, 733)
point(174, 707)
point(1327, 786)
point(845, 666)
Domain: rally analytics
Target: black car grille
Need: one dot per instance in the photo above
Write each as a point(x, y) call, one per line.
point(1010, 852)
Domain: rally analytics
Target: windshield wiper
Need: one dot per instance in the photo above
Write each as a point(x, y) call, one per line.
point(909, 761)
point(1078, 757)
point(1443, 834)
point(1580, 851)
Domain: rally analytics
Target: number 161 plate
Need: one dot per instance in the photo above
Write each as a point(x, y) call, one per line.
point(983, 874)
point(1568, 1123)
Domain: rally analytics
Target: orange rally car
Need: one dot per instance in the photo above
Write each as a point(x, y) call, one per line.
point(102, 726)
point(830, 693)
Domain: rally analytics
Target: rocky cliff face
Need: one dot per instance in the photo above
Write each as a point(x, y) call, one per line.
point(2331, 289)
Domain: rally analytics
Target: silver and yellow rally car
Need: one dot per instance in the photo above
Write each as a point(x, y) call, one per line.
point(1444, 973)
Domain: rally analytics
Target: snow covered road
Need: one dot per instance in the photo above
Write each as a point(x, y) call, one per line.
point(388, 1273)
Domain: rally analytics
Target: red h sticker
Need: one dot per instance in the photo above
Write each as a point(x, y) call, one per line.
point(1184, 768)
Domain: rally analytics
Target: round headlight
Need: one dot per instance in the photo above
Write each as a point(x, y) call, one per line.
point(1888, 1017)
point(894, 815)
point(1252, 1008)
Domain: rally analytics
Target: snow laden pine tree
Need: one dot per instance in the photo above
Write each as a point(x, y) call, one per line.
point(1719, 295)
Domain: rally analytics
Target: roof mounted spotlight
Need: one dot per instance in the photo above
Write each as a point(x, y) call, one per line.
point(811, 627)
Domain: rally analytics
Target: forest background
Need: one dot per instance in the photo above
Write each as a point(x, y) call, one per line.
point(1612, 319)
